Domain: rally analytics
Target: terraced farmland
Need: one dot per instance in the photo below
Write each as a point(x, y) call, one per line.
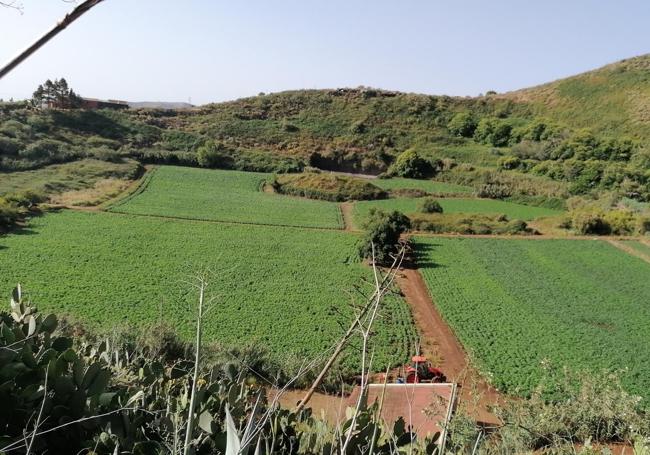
point(284, 287)
point(424, 185)
point(515, 303)
point(454, 205)
point(230, 196)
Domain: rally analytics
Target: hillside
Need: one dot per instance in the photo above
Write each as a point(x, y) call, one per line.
point(614, 99)
point(582, 135)
point(159, 105)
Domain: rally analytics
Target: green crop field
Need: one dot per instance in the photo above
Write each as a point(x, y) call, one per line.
point(287, 288)
point(639, 247)
point(515, 303)
point(424, 185)
point(462, 205)
point(231, 196)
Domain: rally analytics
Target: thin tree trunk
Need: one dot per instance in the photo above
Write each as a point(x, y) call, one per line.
point(67, 20)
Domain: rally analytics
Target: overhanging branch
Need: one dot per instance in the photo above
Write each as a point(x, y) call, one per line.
point(67, 20)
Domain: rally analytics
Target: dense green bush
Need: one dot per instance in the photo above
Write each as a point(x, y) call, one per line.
point(9, 146)
point(493, 191)
point(180, 140)
point(430, 205)
point(383, 231)
point(105, 153)
point(462, 124)
point(469, 224)
point(493, 131)
point(216, 155)
point(43, 149)
point(509, 162)
point(593, 220)
point(412, 165)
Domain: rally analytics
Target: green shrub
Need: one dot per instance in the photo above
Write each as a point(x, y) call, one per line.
point(430, 205)
point(98, 141)
point(620, 222)
point(180, 140)
point(212, 155)
point(43, 149)
point(383, 230)
point(9, 147)
point(494, 191)
point(410, 164)
point(589, 222)
point(105, 153)
point(462, 124)
point(501, 135)
point(509, 162)
point(643, 224)
point(470, 224)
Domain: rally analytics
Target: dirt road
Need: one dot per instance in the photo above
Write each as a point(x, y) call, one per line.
point(441, 345)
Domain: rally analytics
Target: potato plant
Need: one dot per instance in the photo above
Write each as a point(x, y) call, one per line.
point(286, 288)
point(517, 305)
point(233, 196)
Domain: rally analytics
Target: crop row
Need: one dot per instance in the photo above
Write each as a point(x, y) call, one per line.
point(517, 303)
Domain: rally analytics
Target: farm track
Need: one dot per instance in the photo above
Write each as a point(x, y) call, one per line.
point(621, 246)
point(439, 342)
point(347, 215)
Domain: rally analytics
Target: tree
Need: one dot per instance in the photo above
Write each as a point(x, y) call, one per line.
point(56, 94)
point(493, 131)
point(212, 155)
point(411, 164)
point(383, 230)
point(462, 124)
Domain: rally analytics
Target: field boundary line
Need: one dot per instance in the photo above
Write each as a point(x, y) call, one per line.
point(631, 251)
point(131, 192)
point(244, 223)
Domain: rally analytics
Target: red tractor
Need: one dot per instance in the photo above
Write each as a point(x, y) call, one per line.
point(421, 371)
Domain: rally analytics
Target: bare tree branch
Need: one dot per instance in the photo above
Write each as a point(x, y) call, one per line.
point(14, 5)
point(67, 20)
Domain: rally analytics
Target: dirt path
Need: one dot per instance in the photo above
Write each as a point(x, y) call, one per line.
point(440, 343)
point(622, 246)
point(347, 209)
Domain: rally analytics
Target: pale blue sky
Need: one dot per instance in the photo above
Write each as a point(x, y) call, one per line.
point(216, 50)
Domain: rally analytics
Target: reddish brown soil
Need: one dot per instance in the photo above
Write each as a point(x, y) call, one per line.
point(422, 406)
point(440, 343)
point(329, 406)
